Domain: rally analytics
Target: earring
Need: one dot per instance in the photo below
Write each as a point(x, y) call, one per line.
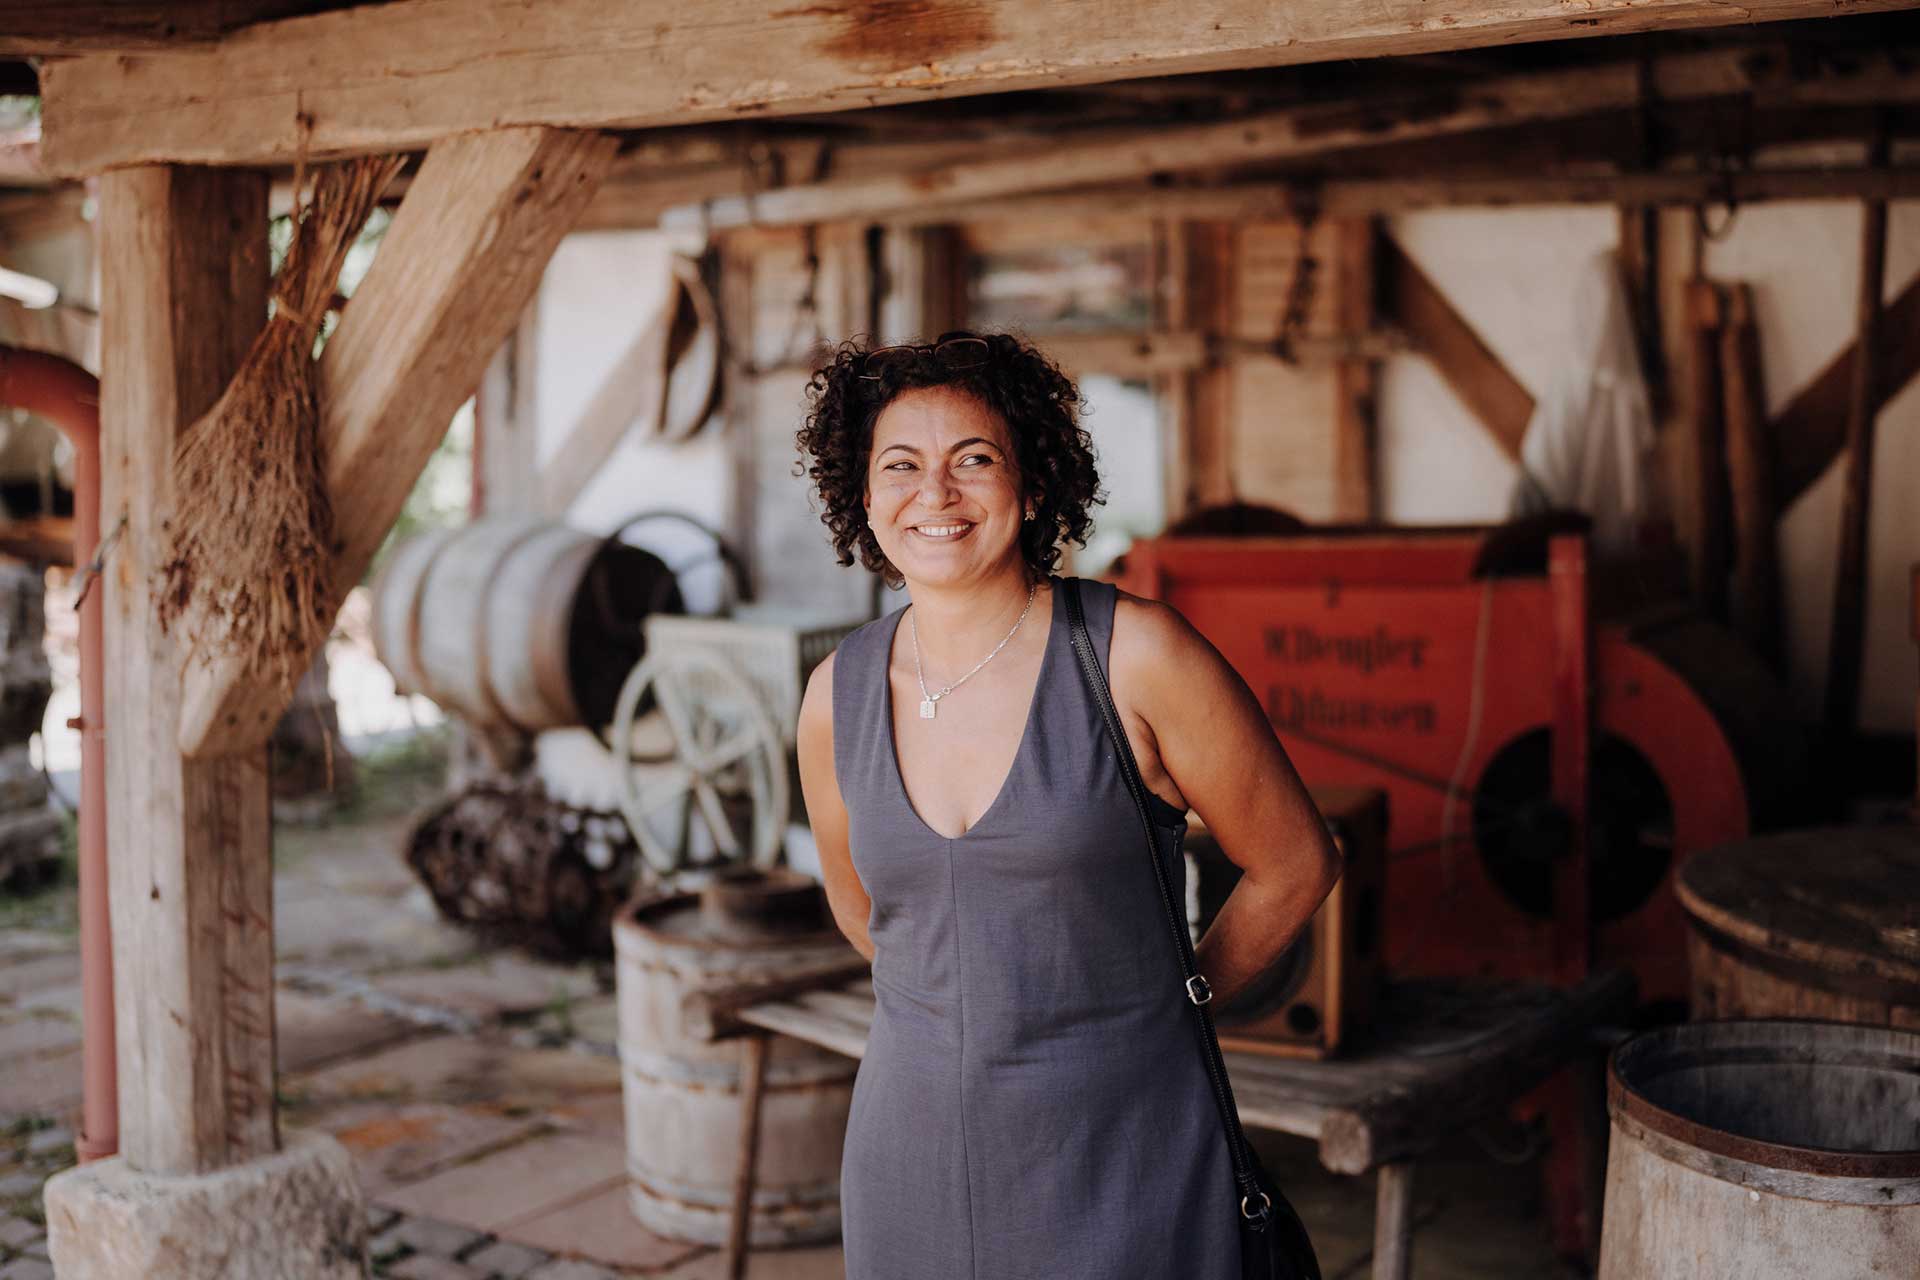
point(1029, 515)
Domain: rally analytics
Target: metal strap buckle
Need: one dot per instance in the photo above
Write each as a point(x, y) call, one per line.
point(1203, 994)
point(1266, 1206)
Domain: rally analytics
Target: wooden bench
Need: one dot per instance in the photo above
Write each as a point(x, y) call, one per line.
point(1441, 1055)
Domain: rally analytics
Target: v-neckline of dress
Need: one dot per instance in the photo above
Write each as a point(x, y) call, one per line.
point(1020, 748)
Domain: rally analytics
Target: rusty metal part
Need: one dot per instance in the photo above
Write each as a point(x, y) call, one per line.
point(517, 866)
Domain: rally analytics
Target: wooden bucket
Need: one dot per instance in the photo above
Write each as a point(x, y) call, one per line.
point(683, 1096)
point(517, 621)
point(1807, 924)
point(1747, 1149)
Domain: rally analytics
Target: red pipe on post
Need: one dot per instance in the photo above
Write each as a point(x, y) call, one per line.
point(69, 397)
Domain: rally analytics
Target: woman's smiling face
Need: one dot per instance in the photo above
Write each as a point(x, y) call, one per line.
point(943, 491)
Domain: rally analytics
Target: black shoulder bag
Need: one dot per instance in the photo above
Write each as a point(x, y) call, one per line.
point(1273, 1241)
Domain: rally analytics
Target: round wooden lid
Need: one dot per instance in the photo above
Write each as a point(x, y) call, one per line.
point(1845, 899)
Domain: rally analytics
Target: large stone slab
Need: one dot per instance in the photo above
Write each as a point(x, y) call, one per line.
point(296, 1215)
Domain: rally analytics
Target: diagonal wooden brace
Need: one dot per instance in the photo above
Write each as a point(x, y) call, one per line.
point(463, 256)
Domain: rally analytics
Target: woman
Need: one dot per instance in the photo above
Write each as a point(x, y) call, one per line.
point(1033, 1102)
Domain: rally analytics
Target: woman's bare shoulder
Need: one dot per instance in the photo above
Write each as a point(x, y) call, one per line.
point(816, 703)
point(1150, 631)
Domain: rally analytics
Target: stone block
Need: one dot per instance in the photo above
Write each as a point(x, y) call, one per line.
point(432, 1236)
point(424, 1266)
point(294, 1215)
point(506, 1258)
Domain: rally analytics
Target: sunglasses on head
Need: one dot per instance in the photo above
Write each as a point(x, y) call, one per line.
point(950, 350)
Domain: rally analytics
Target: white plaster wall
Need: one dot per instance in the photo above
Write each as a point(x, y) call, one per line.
point(599, 291)
point(1506, 272)
point(1803, 263)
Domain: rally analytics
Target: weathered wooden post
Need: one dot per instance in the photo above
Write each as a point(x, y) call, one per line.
point(204, 1184)
point(202, 1177)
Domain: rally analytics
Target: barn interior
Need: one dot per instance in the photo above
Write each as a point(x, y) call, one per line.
point(1520, 402)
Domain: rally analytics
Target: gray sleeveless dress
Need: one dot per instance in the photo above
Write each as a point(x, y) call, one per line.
point(1033, 1101)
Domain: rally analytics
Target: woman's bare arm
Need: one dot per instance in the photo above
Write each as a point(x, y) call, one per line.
point(827, 812)
point(1207, 732)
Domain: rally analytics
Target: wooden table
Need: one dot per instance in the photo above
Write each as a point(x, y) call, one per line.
point(1442, 1055)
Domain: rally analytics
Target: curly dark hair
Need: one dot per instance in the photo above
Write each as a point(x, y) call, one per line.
point(1039, 404)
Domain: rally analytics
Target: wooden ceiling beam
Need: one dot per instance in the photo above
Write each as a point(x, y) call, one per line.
point(1294, 134)
point(36, 28)
point(1357, 197)
point(398, 76)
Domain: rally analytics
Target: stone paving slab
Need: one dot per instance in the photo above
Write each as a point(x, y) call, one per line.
point(601, 1228)
point(492, 988)
point(393, 1145)
point(32, 1032)
point(507, 1259)
point(462, 1069)
point(310, 1030)
point(426, 1267)
point(819, 1262)
point(41, 1084)
point(570, 1270)
point(514, 1184)
point(601, 1116)
point(33, 974)
point(432, 1236)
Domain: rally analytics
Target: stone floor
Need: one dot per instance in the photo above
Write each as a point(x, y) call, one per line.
point(479, 1092)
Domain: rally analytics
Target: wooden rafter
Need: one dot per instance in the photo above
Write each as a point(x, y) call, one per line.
point(456, 268)
point(1310, 130)
point(400, 75)
point(1809, 433)
point(40, 28)
point(1360, 197)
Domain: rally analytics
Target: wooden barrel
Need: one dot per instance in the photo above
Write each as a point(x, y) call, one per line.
point(1749, 1149)
point(1822, 923)
point(683, 1096)
point(517, 621)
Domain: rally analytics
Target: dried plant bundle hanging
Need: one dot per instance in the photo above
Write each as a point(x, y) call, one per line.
point(252, 531)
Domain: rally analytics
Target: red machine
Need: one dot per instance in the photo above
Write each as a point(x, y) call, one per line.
point(1544, 775)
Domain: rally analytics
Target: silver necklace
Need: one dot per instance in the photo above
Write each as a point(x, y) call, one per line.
point(927, 700)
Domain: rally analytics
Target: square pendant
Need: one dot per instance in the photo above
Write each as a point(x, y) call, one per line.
point(926, 708)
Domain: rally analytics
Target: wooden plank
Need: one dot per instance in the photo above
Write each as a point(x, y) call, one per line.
point(1355, 287)
point(1363, 197)
point(1212, 252)
point(1845, 644)
point(824, 1029)
point(1128, 355)
point(1462, 357)
point(1711, 508)
point(184, 267)
point(1809, 433)
point(1481, 1079)
point(633, 390)
point(459, 263)
point(36, 28)
point(401, 75)
point(1756, 571)
point(1289, 134)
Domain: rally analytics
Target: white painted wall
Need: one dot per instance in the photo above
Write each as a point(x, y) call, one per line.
point(1504, 271)
point(599, 292)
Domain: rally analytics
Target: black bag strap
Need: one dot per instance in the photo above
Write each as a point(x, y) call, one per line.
point(1255, 1205)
